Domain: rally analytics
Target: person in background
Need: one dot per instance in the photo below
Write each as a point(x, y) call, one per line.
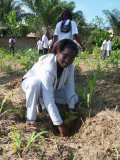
point(50, 82)
point(45, 42)
point(66, 28)
point(104, 49)
point(109, 46)
point(39, 46)
point(50, 43)
point(12, 42)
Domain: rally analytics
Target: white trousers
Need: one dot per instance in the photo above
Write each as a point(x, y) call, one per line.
point(108, 52)
point(33, 91)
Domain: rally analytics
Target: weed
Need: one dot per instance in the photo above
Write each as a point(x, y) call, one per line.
point(8, 96)
point(17, 143)
point(15, 137)
point(33, 137)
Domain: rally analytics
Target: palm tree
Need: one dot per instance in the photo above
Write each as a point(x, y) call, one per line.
point(6, 6)
point(46, 12)
point(11, 11)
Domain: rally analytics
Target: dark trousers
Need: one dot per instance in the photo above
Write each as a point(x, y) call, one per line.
point(12, 49)
point(40, 51)
point(103, 54)
point(45, 50)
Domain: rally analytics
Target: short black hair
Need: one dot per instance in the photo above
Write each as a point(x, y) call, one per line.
point(66, 43)
point(66, 12)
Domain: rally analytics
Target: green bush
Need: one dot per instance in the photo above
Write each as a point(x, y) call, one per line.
point(114, 58)
point(96, 38)
point(28, 57)
point(116, 42)
point(23, 59)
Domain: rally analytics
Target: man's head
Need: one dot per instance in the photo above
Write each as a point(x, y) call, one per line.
point(66, 14)
point(66, 51)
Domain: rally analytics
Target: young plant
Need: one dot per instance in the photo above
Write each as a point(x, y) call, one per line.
point(33, 137)
point(91, 89)
point(16, 140)
point(87, 91)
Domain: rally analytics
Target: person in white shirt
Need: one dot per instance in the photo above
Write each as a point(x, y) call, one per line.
point(104, 49)
point(45, 42)
point(12, 42)
point(50, 43)
point(39, 46)
point(109, 47)
point(66, 28)
point(50, 82)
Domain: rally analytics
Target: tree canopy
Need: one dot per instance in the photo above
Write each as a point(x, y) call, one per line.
point(114, 19)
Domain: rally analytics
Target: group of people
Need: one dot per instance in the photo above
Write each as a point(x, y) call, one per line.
point(44, 43)
point(106, 48)
point(66, 28)
point(49, 84)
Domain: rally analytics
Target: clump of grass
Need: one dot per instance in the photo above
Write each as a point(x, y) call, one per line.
point(24, 57)
point(16, 140)
point(114, 59)
point(34, 135)
point(7, 97)
point(18, 144)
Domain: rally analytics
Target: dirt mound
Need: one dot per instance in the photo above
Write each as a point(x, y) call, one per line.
point(99, 137)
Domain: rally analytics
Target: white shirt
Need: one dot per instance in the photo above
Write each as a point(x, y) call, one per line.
point(39, 45)
point(109, 45)
point(45, 42)
point(12, 40)
point(68, 35)
point(46, 71)
point(50, 43)
point(104, 45)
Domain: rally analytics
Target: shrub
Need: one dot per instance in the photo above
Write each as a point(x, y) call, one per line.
point(116, 42)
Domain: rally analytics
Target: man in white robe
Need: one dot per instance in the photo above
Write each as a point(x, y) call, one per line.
point(43, 85)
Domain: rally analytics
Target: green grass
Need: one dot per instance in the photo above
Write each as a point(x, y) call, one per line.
point(23, 60)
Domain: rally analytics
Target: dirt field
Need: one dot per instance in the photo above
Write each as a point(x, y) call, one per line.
point(96, 136)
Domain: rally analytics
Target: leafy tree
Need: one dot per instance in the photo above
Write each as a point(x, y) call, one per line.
point(98, 22)
point(96, 37)
point(11, 14)
point(114, 19)
point(7, 6)
point(82, 26)
point(15, 27)
point(12, 23)
point(47, 12)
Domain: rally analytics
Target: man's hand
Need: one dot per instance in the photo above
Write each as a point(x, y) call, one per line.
point(62, 130)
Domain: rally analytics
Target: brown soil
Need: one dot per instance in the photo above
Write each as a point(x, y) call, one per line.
point(97, 134)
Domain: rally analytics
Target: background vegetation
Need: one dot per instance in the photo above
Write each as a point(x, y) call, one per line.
point(21, 17)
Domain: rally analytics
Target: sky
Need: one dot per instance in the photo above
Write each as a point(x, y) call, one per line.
point(92, 8)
